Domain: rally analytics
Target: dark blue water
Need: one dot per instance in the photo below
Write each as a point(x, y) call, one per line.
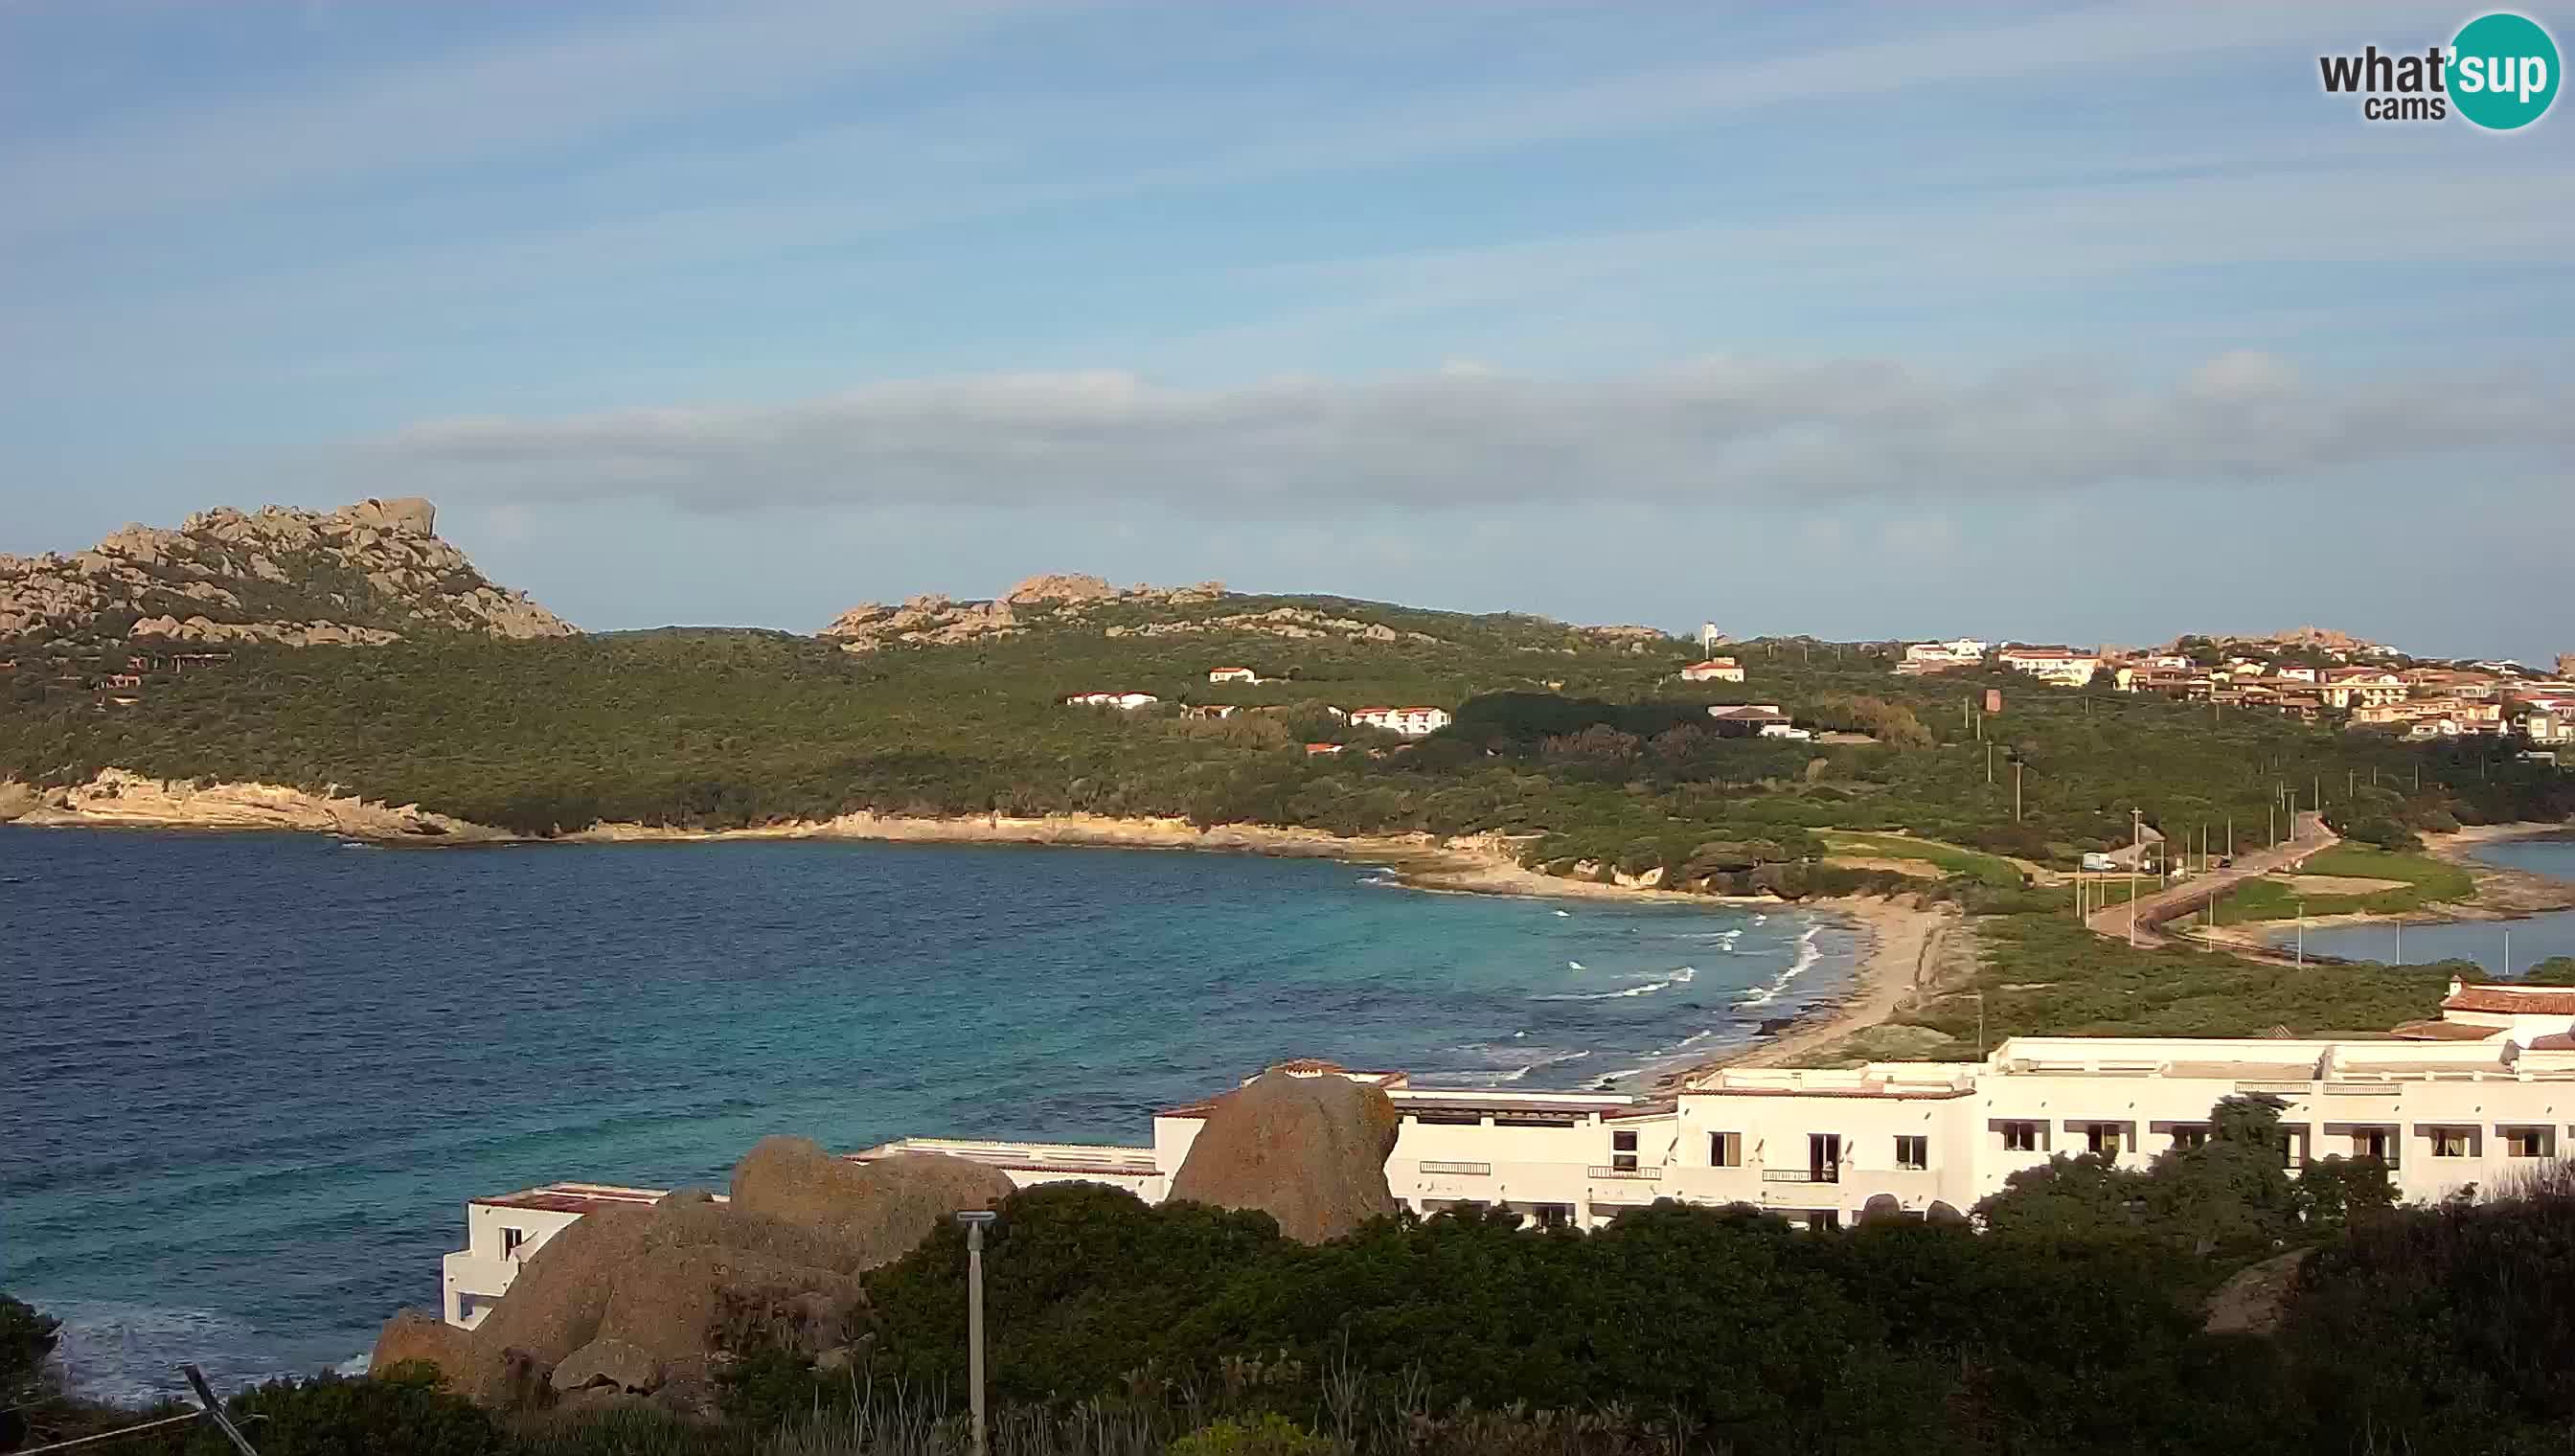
point(2530, 939)
point(248, 1081)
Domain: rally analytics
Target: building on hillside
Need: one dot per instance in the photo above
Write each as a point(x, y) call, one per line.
point(1126, 702)
point(2293, 673)
point(1754, 721)
point(2566, 664)
point(1234, 675)
point(1714, 670)
point(2349, 687)
point(1211, 710)
point(1413, 722)
point(1942, 656)
point(2470, 1100)
point(1317, 750)
point(2061, 665)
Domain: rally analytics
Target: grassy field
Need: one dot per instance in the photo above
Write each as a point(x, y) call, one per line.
point(2426, 880)
point(1990, 870)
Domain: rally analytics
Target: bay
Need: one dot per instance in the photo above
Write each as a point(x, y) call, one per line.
point(2528, 940)
point(249, 1080)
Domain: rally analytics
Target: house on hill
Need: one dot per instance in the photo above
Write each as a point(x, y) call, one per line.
point(1714, 670)
point(1123, 702)
point(1413, 722)
point(2062, 665)
point(1755, 720)
point(1234, 675)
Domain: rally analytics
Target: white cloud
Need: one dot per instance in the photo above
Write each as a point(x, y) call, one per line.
point(1714, 431)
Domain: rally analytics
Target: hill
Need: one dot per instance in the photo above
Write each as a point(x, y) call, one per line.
point(371, 573)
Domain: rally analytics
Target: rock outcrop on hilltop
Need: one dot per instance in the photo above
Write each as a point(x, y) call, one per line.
point(368, 573)
point(934, 619)
point(631, 1303)
point(1300, 1142)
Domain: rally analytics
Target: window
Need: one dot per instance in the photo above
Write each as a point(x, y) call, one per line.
point(2188, 1138)
point(1913, 1153)
point(1824, 1157)
point(1824, 1220)
point(2020, 1138)
point(2525, 1142)
point(1622, 1151)
point(2103, 1139)
point(2449, 1142)
point(510, 1241)
point(1726, 1149)
point(2370, 1143)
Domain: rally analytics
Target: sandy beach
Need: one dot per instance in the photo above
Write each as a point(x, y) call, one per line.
point(1908, 948)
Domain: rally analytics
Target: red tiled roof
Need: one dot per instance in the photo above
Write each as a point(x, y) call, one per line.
point(2524, 1001)
point(560, 1200)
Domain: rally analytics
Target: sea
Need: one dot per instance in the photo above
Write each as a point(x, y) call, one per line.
point(2505, 947)
point(247, 1081)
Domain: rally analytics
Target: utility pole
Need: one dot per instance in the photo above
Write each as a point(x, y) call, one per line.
point(975, 1220)
point(2015, 789)
point(2302, 934)
point(1989, 766)
point(2136, 851)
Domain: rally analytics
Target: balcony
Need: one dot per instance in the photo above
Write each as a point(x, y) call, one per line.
point(1801, 1175)
point(1646, 1175)
point(1430, 1167)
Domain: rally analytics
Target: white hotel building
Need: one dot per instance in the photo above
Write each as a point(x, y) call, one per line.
point(2473, 1098)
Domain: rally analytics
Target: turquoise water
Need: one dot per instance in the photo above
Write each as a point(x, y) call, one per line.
point(2531, 939)
point(250, 1080)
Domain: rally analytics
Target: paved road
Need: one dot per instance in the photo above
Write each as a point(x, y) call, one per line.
point(2307, 835)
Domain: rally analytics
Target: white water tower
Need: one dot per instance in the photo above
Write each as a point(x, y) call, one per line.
point(1710, 636)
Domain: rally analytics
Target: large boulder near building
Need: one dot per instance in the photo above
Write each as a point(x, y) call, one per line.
point(1308, 1148)
point(630, 1304)
point(866, 1213)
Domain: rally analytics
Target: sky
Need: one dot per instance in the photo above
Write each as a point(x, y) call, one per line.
point(2054, 323)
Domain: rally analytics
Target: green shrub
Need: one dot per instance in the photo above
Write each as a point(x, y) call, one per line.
point(1271, 1435)
point(401, 1412)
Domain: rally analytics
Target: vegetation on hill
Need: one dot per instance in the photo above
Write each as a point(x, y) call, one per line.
point(1585, 742)
point(2076, 1316)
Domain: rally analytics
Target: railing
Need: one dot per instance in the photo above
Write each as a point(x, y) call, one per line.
point(1801, 1175)
point(1598, 1171)
point(1471, 1170)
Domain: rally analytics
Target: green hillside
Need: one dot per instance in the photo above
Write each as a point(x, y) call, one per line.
point(1580, 737)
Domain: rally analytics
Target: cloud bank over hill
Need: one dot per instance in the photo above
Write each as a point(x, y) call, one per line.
point(1724, 430)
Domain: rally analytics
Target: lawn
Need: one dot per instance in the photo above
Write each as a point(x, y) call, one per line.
point(2427, 880)
point(1990, 870)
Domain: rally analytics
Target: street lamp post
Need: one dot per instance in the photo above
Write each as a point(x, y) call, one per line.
point(976, 1221)
point(2302, 933)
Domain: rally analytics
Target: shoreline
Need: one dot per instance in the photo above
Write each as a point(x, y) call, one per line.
point(1904, 945)
point(1487, 864)
point(2503, 893)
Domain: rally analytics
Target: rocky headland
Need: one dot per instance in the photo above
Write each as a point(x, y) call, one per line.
point(369, 572)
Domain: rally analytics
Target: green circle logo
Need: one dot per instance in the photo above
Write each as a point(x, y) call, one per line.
point(2503, 71)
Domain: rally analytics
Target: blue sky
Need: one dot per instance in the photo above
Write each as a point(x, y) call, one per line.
point(2093, 322)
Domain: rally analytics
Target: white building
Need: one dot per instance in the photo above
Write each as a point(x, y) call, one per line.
point(1958, 652)
point(1232, 674)
point(2476, 1097)
point(1126, 702)
point(1413, 722)
point(500, 1232)
point(2062, 665)
point(1714, 670)
point(2359, 688)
